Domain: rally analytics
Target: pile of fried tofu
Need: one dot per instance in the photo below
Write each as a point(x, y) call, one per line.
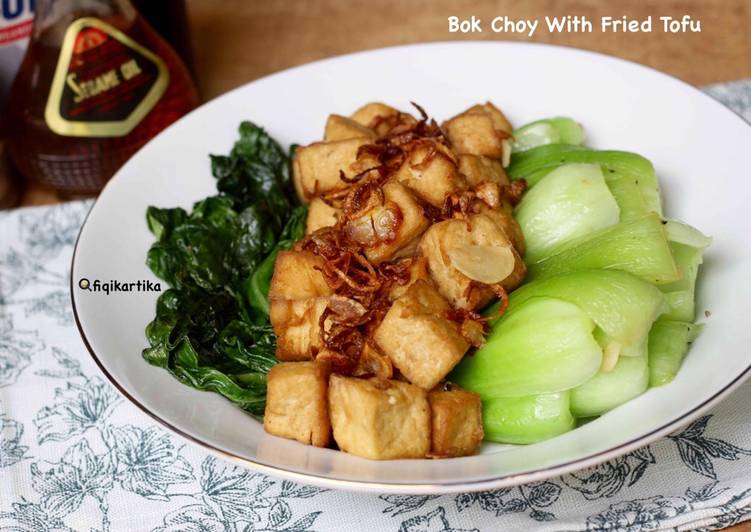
point(407, 410)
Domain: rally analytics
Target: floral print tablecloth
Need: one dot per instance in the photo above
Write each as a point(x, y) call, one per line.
point(75, 456)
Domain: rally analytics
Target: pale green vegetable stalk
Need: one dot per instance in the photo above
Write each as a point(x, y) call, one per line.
point(680, 295)
point(668, 344)
point(682, 233)
point(638, 246)
point(617, 166)
point(570, 202)
point(607, 390)
point(548, 131)
point(622, 305)
point(544, 345)
point(687, 245)
point(625, 189)
point(527, 419)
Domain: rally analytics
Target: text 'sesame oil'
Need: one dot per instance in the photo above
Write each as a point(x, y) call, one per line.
point(95, 85)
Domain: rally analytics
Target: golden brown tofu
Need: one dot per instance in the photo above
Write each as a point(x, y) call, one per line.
point(456, 421)
point(503, 216)
point(431, 172)
point(297, 275)
point(319, 165)
point(373, 363)
point(297, 297)
point(297, 328)
point(379, 419)
point(474, 133)
point(418, 271)
point(370, 111)
point(297, 402)
point(500, 122)
point(438, 244)
point(421, 342)
point(477, 169)
point(386, 228)
point(342, 128)
point(297, 180)
point(320, 214)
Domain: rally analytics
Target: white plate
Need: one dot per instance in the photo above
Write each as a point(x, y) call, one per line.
point(701, 152)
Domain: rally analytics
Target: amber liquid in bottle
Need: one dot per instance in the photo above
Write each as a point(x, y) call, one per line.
point(81, 164)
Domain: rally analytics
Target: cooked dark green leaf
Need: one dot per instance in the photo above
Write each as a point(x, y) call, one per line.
point(260, 280)
point(211, 329)
point(161, 221)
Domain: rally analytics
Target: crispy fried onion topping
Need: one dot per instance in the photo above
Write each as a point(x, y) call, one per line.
point(470, 331)
point(361, 290)
point(472, 326)
point(360, 300)
point(514, 192)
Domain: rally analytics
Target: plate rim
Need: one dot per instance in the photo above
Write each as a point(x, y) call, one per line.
point(411, 487)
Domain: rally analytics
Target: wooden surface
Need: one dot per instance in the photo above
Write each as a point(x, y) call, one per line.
point(240, 40)
point(236, 41)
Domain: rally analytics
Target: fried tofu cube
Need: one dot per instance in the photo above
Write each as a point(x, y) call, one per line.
point(366, 114)
point(297, 402)
point(474, 133)
point(386, 228)
point(297, 275)
point(421, 342)
point(317, 166)
point(503, 216)
point(477, 169)
point(418, 271)
point(320, 214)
point(379, 419)
point(500, 122)
point(342, 128)
point(431, 172)
point(480, 130)
point(298, 296)
point(297, 327)
point(437, 244)
point(382, 118)
point(297, 181)
point(456, 422)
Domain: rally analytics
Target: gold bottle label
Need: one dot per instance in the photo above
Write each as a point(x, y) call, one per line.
point(105, 83)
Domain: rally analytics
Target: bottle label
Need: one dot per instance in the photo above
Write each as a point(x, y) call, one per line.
point(16, 19)
point(104, 84)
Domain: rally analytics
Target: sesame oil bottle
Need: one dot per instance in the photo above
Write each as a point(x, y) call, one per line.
point(96, 83)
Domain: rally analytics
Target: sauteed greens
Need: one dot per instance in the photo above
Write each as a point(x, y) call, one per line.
point(211, 329)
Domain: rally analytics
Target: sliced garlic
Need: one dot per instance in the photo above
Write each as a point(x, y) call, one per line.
point(506, 152)
point(610, 356)
point(485, 264)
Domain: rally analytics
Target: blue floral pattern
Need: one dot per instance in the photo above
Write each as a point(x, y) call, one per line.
point(75, 456)
point(609, 478)
point(11, 449)
point(17, 346)
point(79, 474)
point(76, 409)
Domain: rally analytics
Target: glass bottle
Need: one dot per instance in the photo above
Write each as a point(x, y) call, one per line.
point(170, 19)
point(96, 83)
point(10, 191)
